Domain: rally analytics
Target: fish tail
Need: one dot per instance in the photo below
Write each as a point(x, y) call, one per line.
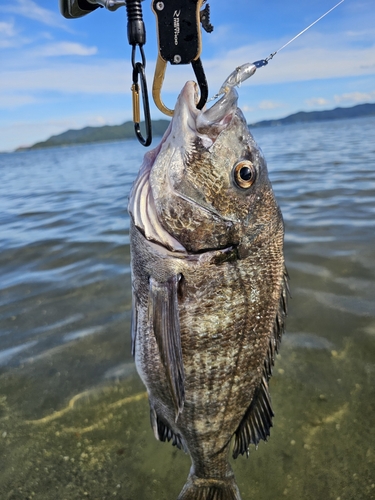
point(210, 489)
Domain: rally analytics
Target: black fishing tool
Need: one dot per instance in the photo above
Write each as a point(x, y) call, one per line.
point(179, 40)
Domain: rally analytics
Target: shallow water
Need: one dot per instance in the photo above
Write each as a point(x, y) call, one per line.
point(74, 419)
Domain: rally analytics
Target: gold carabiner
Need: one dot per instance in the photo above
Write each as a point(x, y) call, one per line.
point(136, 105)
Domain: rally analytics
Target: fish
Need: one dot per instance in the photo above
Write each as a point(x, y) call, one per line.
point(209, 287)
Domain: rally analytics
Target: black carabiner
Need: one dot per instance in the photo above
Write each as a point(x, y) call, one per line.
point(137, 38)
point(139, 70)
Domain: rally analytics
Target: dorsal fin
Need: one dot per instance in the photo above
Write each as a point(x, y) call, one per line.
point(257, 421)
point(278, 327)
point(164, 315)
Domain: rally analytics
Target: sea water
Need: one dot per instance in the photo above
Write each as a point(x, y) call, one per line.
point(74, 419)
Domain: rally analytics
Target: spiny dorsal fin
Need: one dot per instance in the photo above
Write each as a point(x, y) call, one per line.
point(163, 432)
point(163, 313)
point(278, 327)
point(256, 423)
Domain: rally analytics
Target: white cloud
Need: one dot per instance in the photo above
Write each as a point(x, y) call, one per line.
point(355, 97)
point(7, 29)
point(65, 49)
point(317, 101)
point(29, 9)
point(8, 35)
point(11, 101)
point(360, 34)
point(269, 105)
point(247, 109)
point(100, 77)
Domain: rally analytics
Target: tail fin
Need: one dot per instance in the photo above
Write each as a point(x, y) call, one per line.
point(210, 489)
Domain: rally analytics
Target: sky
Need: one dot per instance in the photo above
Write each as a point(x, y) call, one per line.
point(57, 74)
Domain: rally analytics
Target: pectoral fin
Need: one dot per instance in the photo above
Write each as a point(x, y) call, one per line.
point(164, 316)
point(134, 323)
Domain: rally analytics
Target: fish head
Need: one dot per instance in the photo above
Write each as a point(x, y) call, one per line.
point(208, 178)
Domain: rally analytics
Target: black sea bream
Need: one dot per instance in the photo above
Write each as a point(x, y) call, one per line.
point(209, 289)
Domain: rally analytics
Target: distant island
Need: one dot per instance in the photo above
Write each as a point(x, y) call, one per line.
point(126, 130)
point(358, 111)
point(105, 133)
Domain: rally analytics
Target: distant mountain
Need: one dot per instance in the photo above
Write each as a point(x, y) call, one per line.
point(358, 111)
point(126, 130)
point(99, 134)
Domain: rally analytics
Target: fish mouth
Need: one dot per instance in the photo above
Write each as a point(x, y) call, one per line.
point(208, 123)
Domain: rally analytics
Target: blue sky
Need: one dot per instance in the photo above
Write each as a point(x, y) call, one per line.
point(58, 74)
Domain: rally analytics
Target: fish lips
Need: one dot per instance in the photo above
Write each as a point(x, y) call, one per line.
point(189, 122)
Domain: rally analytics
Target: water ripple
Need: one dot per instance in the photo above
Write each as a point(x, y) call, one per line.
point(64, 240)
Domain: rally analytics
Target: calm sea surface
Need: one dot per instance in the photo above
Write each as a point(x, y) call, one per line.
point(74, 419)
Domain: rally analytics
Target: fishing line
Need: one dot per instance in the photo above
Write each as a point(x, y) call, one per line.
point(242, 73)
point(301, 32)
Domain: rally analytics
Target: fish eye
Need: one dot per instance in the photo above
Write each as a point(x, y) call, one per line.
point(244, 174)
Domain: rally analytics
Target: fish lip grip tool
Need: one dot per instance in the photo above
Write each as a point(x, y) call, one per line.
point(180, 42)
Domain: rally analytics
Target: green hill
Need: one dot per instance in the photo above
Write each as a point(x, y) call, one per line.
point(126, 130)
point(99, 134)
point(358, 111)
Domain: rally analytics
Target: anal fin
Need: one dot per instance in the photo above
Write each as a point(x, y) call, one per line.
point(256, 423)
point(164, 315)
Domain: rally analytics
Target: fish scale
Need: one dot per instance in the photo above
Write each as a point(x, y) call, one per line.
point(209, 313)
